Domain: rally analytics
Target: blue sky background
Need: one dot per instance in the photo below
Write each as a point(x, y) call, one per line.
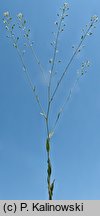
point(76, 143)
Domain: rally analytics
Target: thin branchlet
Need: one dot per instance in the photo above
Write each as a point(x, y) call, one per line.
point(72, 58)
point(33, 88)
point(80, 74)
point(26, 31)
point(59, 25)
point(55, 51)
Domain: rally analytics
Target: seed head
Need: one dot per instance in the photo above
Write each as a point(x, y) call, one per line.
point(66, 5)
point(20, 16)
point(94, 18)
point(6, 14)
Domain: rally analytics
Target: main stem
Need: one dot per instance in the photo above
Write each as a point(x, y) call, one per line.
point(49, 168)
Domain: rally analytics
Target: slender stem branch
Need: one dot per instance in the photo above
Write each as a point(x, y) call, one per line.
point(38, 62)
point(55, 51)
point(33, 51)
point(26, 71)
point(82, 71)
point(70, 61)
point(65, 102)
point(53, 64)
point(30, 82)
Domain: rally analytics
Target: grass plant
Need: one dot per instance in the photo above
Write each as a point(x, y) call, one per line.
point(51, 90)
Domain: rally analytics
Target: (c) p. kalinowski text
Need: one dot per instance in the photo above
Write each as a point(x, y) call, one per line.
point(59, 207)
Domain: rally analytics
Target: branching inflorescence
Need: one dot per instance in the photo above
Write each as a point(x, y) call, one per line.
point(51, 91)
